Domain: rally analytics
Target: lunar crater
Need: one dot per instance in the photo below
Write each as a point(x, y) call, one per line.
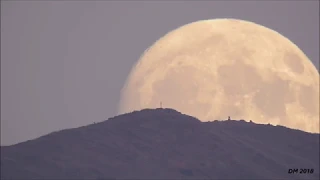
point(294, 62)
point(238, 78)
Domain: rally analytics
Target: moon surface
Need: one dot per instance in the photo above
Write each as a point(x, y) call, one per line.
point(212, 69)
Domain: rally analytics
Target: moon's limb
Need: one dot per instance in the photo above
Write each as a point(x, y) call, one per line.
point(215, 68)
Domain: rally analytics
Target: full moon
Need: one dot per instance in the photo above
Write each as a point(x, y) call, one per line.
point(212, 69)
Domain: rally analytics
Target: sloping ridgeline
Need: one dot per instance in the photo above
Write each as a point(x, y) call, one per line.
point(164, 144)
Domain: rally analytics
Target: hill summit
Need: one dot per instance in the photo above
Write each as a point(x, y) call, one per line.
point(165, 144)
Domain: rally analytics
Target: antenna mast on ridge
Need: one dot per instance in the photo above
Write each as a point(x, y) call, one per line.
point(160, 104)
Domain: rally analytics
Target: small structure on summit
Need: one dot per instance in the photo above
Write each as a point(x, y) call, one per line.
point(229, 118)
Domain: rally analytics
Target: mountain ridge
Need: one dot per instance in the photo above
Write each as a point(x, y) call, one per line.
point(164, 144)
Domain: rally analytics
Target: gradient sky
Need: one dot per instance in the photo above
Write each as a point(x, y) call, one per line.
point(63, 64)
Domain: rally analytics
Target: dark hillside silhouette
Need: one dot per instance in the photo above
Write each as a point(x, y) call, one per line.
point(164, 144)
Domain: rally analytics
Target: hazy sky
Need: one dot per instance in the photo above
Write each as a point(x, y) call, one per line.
point(63, 64)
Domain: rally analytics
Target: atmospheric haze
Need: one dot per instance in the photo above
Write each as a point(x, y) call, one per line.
point(212, 69)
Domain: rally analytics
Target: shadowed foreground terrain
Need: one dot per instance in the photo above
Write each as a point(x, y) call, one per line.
point(164, 144)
